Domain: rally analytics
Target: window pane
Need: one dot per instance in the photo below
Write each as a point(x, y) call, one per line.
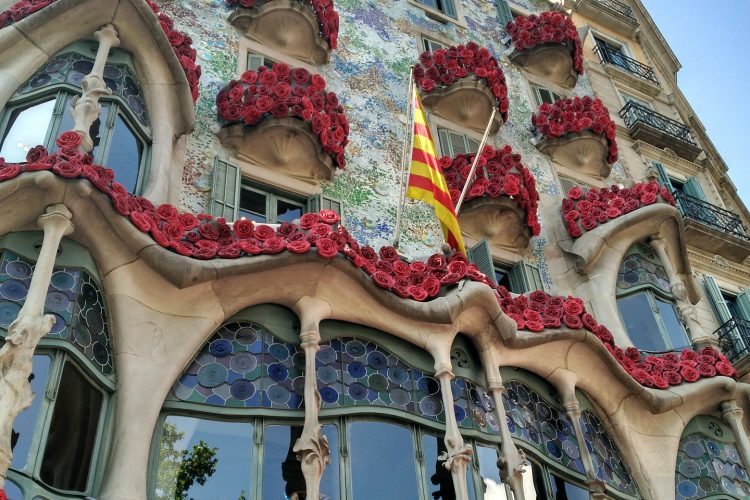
point(191, 444)
point(439, 480)
point(27, 128)
point(533, 483)
point(12, 491)
point(563, 490)
point(72, 432)
point(431, 3)
point(25, 423)
point(379, 450)
point(640, 322)
point(675, 331)
point(286, 211)
point(282, 472)
point(492, 486)
point(252, 205)
point(125, 153)
point(329, 484)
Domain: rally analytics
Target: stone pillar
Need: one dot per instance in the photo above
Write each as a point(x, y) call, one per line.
point(458, 455)
point(732, 415)
point(687, 311)
point(512, 460)
point(86, 108)
point(312, 446)
point(16, 355)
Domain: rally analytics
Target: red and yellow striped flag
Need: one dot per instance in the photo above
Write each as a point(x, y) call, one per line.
point(426, 180)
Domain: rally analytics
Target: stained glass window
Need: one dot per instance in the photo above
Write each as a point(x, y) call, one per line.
point(245, 365)
point(74, 299)
point(642, 267)
point(608, 463)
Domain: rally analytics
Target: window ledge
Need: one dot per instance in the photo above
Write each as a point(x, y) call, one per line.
point(584, 152)
point(468, 103)
point(440, 17)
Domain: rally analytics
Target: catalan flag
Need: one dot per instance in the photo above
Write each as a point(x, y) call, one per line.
point(426, 180)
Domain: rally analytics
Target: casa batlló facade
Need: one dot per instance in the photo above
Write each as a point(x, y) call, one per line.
point(201, 294)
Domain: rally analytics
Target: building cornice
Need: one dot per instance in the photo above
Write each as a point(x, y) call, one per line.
point(718, 266)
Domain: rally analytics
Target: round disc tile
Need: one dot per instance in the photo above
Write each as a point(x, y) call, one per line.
point(212, 375)
point(243, 362)
point(713, 448)
point(378, 382)
point(329, 395)
point(357, 391)
point(549, 430)
point(246, 335)
point(740, 472)
point(356, 369)
point(428, 385)
point(278, 395)
point(8, 312)
point(220, 348)
point(327, 374)
point(570, 449)
point(475, 396)
point(13, 290)
point(430, 406)
point(278, 372)
point(400, 397)
point(459, 412)
point(517, 417)
point(534, 435)
point(57, 301)
point(89, 293)
point(63, 281)
point(732, 454)
point(554, 449)
point(298, 360)
point(511, 424)
point(18, 269)
point(728, 486)
point(298, 385)
point(377, 360)
point(242, 389)
point(355, 348)
point(59, 325)
point(101, 355)
point(478, 416)
point(687, 489)
point(398, 375)
point(708, 484)
point(279, 351)
point(326, 355)
point(690, 469)
point(543, 411)
point(82, 337)
point(564, 427)
point(94, 321)
point(694, 450)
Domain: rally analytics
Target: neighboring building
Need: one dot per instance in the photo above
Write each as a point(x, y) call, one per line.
point(597, 347)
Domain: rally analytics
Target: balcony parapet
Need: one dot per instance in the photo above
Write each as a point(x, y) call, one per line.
point(713, 228)
point(643, 74)
point(610, 13)
point(661, 131)
point(734, 341)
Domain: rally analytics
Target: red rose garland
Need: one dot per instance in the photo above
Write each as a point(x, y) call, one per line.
point(324, 10)
point(283, 92)
point(572, 116)
point(499, 173)
point(180, 42)
point(583, 212)
point(444, 67)
point(548, 27)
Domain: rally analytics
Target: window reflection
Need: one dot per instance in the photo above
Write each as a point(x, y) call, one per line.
point(287, 211)
point(675, 331)
point(380, 450)
point(27, 128)
point(492, 486)
point(282, 472)
point(439, 480)
point(25, 423)
point(221, 450)
point(563, 490)
point(640, 322)
point(125, 153)
point(329, 484)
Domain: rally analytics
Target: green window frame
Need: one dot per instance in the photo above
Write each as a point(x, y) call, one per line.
point(446, 7)
point(254, 60)
point(544, 95)
point(430, 45)
point(453, 143)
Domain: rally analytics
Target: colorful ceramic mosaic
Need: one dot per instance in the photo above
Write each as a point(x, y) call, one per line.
point(608, 463)
point(708, 467)
point(642, 267)
point(474, 407)
point(245, 365)
point(536, 421)
point(74, 299)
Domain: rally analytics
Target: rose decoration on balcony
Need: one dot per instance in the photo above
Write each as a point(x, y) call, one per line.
point(444, 67)
point(324, 10)
point(584, 211)
point(283, 92)
point(499, 173)
point(527, 32)
point(573, 116)
point(538, 311)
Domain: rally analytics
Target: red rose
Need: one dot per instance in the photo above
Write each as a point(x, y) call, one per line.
point(69, 139)
point(327, 248)
point(534, 326)
point(167, 212)
point(417, 293)
point(672, 377)
point(589, 322)
point(538, 296)
point(308, 220)
point(273, 245)
point(532, 315)
point(725, 368)
point(188, 221)
point(329, 217)
point(604, 334)
point(458, 267)
point(571, 216)
point(264, 232)
point(689, 374)
point(388, 253)
point(401, 268)
point(572, 321)
point(431, 286)
point(243, 228)
point(633, 353)
point(141, 221)
point(588, 223)
point(383, 279)
point(209, 231)
point(573, 306)
point(174, 230)
point(298, 246)
point(648, 198)
point(706, 370)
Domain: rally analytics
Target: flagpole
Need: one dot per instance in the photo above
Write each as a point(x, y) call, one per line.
point(405, 155)
point(476, 161)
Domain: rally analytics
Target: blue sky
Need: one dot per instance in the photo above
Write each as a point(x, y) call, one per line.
point(710, 40)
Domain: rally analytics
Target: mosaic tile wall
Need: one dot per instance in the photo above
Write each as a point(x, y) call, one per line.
point(369, 72)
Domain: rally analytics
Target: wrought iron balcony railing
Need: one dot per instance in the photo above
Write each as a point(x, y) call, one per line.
point(619, 8)
point(734, 339)
point(616, 58)
point(634, 113)
point(711, 215)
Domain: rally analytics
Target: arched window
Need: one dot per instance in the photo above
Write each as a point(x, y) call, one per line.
point(56, 442)
point(646, 304)
point(41, 110)
point(708, 464)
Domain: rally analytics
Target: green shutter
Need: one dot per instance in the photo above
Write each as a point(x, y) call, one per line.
point(716, 299)
point(743, 304)
point(481, 255)
point(503, 13)
point(225, 194)
point(525, 278)
point(319, 202)
point(693, 188)
point(445, 144)
point(449, 8)
point(662, 176)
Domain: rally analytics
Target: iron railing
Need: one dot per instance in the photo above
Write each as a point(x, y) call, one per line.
point(734, 339)
point(634, 113)
point(616, 58)
point(619, 8)
point(711, 215)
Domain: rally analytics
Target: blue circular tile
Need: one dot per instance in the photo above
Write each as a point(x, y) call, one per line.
point(327, 374)
point(400, 397)
point(459, 412)
point(63, 281)
point(220, 348)
point(242, 389)
point(279, 351)
point(326, 355)
point(212, 375)
point(377, 382)
point(428, 385)
point(57, 301)
point(278, 395)
point(18, 269)
point(278, 372)
point(356, 369)
point(101, 355)
point(687, 489)
point(377, 360)
point(355, 348)
point(357, 391)
point(554, 449)
point(329, 395)
point(431, 406)
point(243, 362)
point(13, 290)
point(8, 312)
point(59, 325)
point(398, 375)
point(246, 335)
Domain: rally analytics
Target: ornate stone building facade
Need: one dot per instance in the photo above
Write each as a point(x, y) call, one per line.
point(199, 290)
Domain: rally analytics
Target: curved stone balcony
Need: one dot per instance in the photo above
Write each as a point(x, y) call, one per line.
point(585, 152)
point(551, 61)
point(298, 28)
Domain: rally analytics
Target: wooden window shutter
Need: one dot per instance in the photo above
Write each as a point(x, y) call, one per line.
point(524, 278)
point(717, 299)
point(743, 304)
point(503, 13)
point(693, 188)
point(481, 256)
point(662, 176)
point(225, 194)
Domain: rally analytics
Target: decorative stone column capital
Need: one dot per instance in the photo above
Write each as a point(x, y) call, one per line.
point(730, 410)
point(56, 217)
point(107, 35)
point(443, 369)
